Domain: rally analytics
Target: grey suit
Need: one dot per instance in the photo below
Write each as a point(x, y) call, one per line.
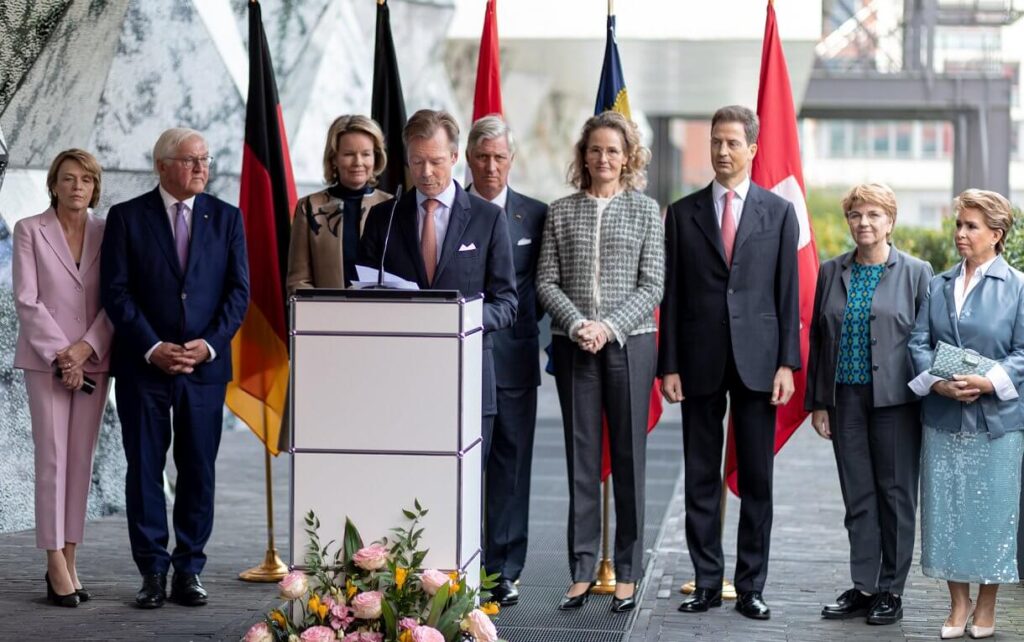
point(876, 431)
point(517, 375)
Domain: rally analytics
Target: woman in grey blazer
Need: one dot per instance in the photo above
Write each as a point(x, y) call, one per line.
point(971, 456)
point(600, 275)
point(864, 309)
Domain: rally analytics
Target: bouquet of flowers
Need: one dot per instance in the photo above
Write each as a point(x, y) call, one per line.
point(376, 593)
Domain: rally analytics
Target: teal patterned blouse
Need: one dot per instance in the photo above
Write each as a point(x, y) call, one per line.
point(854, 364)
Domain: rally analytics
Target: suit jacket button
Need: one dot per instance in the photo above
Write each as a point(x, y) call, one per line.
point(724, 322)
point(874, 341)
point(731, 291)
point(871, 318)
point(875, 367)
point(78, 288)
point(183, 296)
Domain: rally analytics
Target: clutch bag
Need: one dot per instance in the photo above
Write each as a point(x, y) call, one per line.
point(950, 360)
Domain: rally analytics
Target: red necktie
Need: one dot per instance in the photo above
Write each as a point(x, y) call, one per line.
point(728, 228)
point(428, 239)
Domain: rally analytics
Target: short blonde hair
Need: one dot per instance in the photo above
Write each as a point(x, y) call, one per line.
point(878, 194)
point(348, 124)
point(426, 122)
point(637, 156)
point(88, 163)
point(993, 206)
point(169, 141)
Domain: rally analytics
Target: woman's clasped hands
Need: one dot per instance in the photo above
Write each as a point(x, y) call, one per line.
point(70, 360)
point(592, 336)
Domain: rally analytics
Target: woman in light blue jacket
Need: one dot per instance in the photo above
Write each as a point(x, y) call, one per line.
point(972, 446)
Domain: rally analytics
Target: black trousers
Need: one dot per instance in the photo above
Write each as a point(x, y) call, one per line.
point(878, 454)
point(618, 381)
point(703, 437)
point(507, 481)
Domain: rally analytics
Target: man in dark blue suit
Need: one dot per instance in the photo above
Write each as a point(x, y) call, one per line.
point(490, 152)
point(445, 239)
point(175, 283)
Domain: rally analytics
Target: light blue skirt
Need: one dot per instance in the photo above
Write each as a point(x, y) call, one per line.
point(970, 499)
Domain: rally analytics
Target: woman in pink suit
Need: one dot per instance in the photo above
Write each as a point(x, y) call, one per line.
point(63, 330)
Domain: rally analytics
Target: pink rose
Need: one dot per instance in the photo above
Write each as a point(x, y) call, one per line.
point(371, 558)
point(363, 636)
point(433, 580)
point(366, 606)
point(341, 616)
point(407, 623)
point(479, 625)
point(426, 634)
point(318, 634)
point(259, 632)
point(294, 585)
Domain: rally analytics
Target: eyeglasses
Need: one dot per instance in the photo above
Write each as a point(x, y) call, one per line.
point(191, 161)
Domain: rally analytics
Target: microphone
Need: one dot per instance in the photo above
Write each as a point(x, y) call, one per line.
point(387, 237)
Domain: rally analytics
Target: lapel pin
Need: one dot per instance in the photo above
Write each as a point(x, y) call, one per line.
point(518, 216)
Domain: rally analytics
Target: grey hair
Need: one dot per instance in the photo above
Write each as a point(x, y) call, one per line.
point(169, 141)
point(490, 127)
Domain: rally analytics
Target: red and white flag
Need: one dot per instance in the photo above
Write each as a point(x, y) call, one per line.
point(487, 98)
point(777, 167)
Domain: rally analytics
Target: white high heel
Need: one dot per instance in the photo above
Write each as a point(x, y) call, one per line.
point(953, 632)
point(978, 632)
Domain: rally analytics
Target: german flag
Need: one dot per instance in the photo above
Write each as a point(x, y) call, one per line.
point(260, 349)
point(387, 105)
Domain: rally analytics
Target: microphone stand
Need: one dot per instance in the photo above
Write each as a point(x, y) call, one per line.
point(387, 237)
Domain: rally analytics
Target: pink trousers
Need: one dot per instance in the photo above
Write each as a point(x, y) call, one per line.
point(65, 428)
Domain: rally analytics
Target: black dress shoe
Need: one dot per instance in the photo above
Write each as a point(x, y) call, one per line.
point(751, 604)
point(187, 590)
point(505, 592)
point(621, 605)
point(83, 594)
point(701, 600)
point(887, 609)
point(153, 592)
point(70, 600)
point(575, 602)
point(851, 603)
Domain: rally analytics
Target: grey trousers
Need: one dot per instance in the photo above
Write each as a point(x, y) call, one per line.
point(618, 381)
point(878, 454)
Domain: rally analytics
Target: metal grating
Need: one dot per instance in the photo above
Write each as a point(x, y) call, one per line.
point(563, 635)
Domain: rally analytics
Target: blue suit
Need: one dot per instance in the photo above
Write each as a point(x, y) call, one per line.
point(992, 324)
point(149, 299)
point(517, 375)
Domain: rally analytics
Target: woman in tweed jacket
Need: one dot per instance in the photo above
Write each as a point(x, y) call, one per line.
point(600, 276)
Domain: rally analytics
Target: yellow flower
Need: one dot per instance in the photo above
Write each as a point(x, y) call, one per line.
point(317, 607)
point(405, 636)
point(278, 618)
point(454, 588)
point(350, 589)
point(490, 608)
point(400, 575)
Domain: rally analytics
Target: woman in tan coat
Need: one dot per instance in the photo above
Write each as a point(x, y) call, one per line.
point(328, 223)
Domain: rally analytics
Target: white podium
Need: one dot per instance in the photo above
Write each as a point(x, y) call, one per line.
point(385, 409)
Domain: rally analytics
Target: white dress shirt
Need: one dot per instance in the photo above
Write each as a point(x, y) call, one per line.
point(1001, 383)
point(738, 199)
point(169, 207)
point(441, 214)
point(500, 200)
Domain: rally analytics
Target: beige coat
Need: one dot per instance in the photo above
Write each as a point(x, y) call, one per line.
point(315, 259)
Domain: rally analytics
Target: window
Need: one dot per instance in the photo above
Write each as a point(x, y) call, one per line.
point(904, 139)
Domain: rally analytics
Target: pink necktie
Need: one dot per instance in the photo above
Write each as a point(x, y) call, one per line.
point(728, 227)
point(181, 234)
point(428, 239)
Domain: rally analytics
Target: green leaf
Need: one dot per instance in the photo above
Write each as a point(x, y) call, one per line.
point(353, 542)
point(390, 621)
point(409, 514)
point(437, 605)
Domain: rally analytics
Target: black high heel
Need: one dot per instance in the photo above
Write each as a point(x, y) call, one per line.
point(70, 600)
point(626, 603)
point(576, 601)
point(83, 594)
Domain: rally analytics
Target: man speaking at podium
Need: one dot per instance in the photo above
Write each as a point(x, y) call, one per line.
point(443, 238)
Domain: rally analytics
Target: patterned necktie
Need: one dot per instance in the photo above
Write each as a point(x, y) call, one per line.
point(428, 239)
point(728, 227)
point(181, 234)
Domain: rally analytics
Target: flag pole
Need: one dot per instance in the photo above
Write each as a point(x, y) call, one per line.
point(272, 569)
point(605, 584)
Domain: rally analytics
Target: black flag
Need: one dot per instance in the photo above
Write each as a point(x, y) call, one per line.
point(388, 105)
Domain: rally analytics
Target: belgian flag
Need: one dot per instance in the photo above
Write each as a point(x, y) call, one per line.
point(387, 105)
point(260, 349)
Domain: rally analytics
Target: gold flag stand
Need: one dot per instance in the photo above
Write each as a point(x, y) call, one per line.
point(272, 569)
point(605, 584)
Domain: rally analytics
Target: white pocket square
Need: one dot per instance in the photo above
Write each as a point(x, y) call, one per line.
point(467, 248)
point(524, 241)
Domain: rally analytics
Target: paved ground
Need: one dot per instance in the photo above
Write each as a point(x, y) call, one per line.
point(808, 564)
